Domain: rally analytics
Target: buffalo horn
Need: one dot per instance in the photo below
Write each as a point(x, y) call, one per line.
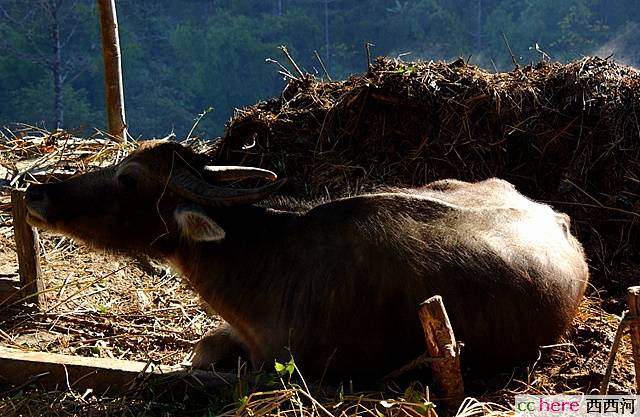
point(188, 185)
point(236, 173)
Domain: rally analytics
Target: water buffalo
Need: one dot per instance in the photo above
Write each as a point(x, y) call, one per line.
point(337, 285)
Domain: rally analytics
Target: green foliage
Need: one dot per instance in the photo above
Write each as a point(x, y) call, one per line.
point(33, 103)
point(285, 369)
point(565, 30)
point(181, 58)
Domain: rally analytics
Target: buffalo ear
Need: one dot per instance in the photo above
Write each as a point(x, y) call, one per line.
point(195, 225)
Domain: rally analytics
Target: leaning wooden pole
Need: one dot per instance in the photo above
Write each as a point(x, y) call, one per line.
point(114, 90)
point(442, 346)
point(633, 300)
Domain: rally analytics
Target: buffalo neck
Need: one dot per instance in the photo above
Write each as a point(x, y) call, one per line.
point(245, 274)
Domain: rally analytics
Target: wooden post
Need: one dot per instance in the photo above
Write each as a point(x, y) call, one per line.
point(28, 249)
point(633, 300)
point(114, 90)
point(442, 346)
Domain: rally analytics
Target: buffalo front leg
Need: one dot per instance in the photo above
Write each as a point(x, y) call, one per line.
point(220, 347)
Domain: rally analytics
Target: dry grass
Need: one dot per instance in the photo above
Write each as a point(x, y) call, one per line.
point(566, 134)
point(106, 306)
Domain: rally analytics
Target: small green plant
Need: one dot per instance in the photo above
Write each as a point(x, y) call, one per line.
point(406, 69)
point(416, 394)
point(285, 369)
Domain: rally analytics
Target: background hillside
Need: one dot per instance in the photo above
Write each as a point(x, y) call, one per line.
point(181, 58)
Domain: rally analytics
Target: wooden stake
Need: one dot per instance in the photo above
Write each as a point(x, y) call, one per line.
point(633, 300)
point(114, 90)
point(28, 249)
point(441, 344)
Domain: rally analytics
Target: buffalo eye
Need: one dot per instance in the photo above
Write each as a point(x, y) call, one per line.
point(127, 182)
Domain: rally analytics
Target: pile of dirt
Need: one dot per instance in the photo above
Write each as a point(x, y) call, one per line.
point(567, 135)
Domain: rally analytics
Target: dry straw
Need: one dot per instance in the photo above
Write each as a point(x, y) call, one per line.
point(564, 134)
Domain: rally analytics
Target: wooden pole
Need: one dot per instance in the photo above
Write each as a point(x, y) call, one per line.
point(633, 300)
point(114, 90)
point(441, 344)
point(28, 249)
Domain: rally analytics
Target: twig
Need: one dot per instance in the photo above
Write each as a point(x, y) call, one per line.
point(604, 385)
point(64, 284)
point(513, 57)
point(322, 65)
point(315, 402)
point(633, 301)
point(197, 120)
point(288, 75)
point(284, 71)
point(367, 47)
point(285, 51)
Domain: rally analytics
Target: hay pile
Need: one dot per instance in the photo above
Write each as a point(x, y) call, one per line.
point(564, 134)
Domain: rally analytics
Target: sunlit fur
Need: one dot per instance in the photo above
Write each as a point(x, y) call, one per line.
point(338, 283)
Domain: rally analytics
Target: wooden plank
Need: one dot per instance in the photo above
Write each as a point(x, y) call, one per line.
point(441, 344)
point(633, 300)
point(28, 248)
point(53, 371)
point(58, 372)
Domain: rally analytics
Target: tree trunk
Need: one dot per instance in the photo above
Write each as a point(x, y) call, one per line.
point(479, 28)
point(326, 33)
point(114, 90)
point(56, 65)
